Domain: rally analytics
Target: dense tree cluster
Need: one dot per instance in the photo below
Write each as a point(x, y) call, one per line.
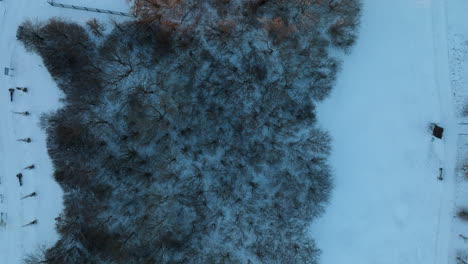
point(189, 136)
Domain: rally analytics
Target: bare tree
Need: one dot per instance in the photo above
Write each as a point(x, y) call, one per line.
point(96, 27)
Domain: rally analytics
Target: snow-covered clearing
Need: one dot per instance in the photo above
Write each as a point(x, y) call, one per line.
point(388, 205)
point(43, 96)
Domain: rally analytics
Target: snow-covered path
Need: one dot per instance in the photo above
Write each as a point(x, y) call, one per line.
point(16, 241)
point(388, 205)
point(448, 119)
point(43, 96)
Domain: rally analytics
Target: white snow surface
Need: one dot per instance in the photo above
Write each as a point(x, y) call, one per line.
point(16, 241)
point(388, 206)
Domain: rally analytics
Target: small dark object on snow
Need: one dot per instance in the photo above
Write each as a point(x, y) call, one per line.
point(20, 178)
point(30, 167)
point(31, 223)
point(7, 71)
point(24, 89)
point(437, 131)
point(25, 113)
point(11, 94)
point(463, 214)
point(27, 140)
point(29, 195)
point(463, 237)
point(440, 174)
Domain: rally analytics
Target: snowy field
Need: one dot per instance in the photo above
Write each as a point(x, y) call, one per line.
point(43, 96)
point(388, 205)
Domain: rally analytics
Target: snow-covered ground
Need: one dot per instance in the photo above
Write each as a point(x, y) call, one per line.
point(388, 205)
point(458, 44)
point(43, 96)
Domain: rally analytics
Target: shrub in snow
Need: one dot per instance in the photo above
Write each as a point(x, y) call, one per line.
point(189, 136)
point(465, 110)
point(462, 257)
point(463, 214)
point(464, 168)
point(96, 27)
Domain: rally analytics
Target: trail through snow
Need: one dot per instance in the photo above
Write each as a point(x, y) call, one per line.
point(448, 118)
point(43, 96)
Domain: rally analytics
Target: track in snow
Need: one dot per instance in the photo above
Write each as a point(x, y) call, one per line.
point(449, 156)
